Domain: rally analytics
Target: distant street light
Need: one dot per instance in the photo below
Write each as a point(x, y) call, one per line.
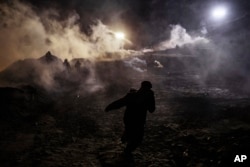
point(219, 12)
point(218, 16)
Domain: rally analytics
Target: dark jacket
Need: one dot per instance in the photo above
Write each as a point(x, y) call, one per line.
point(137, 104)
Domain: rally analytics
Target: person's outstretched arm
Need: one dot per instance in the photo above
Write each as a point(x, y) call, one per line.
point(116, 104)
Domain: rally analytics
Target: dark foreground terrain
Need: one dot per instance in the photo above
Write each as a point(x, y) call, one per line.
point(194, 125)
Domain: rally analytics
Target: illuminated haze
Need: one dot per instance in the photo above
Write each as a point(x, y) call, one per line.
point(24, 34)
point(180, 37)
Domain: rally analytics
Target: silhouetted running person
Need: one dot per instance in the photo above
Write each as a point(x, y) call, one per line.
point(137, 103)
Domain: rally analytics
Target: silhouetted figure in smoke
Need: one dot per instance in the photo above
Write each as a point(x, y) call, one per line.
point(137, 103)
point(66, 64)
point(78, 65)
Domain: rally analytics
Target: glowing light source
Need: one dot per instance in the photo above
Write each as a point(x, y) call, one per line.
point(120, 35)
point(219, 12)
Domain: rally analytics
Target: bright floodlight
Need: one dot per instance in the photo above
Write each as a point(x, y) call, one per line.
point(120, 35)
point(219, 12)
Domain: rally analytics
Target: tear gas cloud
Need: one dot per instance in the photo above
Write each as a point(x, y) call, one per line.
point(158, 64)
point(137, 64)
point(220, 58)
point(180, 37)
point(25, 34)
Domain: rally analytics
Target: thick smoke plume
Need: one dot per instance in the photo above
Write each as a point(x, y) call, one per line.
point(25, 34)
point(180, 37)
point(137, 64)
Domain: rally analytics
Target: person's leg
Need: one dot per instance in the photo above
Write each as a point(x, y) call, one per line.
point(135, 138)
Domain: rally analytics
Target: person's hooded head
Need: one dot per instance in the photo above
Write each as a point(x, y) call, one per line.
point(146, 85)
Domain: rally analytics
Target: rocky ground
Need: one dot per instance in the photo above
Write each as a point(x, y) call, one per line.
point(192, 126)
